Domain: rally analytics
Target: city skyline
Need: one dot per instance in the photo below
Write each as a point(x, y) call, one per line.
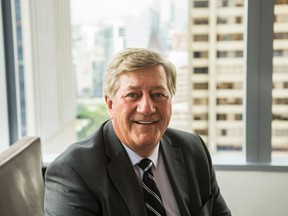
point(216, 113)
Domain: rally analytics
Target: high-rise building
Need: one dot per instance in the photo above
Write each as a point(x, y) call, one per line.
point(94, 44)
point(216, 73)
point(280, 77)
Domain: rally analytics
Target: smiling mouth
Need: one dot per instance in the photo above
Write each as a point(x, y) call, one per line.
point(145, 122)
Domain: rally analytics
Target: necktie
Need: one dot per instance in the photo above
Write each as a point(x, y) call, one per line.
point(152, 195)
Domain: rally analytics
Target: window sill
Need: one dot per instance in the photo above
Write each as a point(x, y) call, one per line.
point(258, 167)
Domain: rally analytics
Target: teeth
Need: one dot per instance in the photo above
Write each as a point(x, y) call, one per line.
point(143, 122)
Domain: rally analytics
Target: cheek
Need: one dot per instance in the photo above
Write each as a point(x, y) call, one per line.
point(168, 115)
point(166, 110)
point(122, 112)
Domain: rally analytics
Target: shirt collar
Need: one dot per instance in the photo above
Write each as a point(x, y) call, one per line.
point(135, 158)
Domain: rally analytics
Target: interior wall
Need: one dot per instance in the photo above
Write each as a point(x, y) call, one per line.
point(254, 193)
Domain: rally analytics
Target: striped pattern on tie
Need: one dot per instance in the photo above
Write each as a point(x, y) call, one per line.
point(152, 195)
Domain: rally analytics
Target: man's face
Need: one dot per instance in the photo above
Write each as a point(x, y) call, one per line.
point(141, 109)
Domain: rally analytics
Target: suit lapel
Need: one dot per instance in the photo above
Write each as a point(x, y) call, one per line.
point(122, 173)
point(175, 167)
point(123, 176)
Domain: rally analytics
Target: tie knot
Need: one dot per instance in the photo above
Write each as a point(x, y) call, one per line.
point(145, 164)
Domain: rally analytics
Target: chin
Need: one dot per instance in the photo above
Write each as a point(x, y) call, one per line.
point(148, 142)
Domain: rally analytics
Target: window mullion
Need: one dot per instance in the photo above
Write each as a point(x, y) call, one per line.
point(10, 70)
point(4, 126)
point(258, 57)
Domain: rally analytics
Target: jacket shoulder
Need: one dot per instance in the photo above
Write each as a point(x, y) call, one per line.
point(182, 137)
point(90, 148)
point(191, 145)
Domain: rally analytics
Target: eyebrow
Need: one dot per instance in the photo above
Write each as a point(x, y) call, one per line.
point(153, 88)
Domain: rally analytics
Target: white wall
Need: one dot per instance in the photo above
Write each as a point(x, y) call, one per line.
point(250, 193)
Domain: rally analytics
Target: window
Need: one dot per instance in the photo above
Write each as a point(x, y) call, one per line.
point(218, 79)
point(201, 54)
point(230, 3)
point(201, 70)
point(229, 85)
point(200, 101)
point(227, 101)
point(229, 37)
point(279, 2)
point(229, 20)
point(202, 116)
point(201, 3)
point(229, 54)
point(279, 125)
point(201, 21)
point(281, 35)
point(200, 37)
point(200, 86)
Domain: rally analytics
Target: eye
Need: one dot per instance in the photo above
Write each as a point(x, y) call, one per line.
point(159, 96)
point(132, 96)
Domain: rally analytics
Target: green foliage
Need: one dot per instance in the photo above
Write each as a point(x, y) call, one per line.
point(94, 115)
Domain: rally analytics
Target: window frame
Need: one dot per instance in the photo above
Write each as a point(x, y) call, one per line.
point(258, 58)
point(4, 126)
point(259, 67)
point(9, 81)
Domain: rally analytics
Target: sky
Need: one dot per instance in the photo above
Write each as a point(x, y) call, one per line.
point(89, 10)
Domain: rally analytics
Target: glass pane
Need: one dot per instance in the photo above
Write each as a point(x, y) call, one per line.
point(207, 51)
point(280, 84)
point(20, 62)
point(99, 31)
point(216, 71)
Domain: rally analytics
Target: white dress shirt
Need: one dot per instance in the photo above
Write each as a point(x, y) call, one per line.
point(161, 178)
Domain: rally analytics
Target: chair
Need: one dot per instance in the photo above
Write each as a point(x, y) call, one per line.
point(21, 179)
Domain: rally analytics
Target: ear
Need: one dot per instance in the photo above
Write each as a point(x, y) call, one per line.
point(109, 105)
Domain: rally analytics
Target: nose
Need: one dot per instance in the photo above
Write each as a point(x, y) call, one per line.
point(146, 105)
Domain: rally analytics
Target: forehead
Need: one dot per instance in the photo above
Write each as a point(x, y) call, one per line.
point(154, 76)
point(147, 74)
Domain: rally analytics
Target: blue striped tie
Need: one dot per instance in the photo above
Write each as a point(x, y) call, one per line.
point(152, 195)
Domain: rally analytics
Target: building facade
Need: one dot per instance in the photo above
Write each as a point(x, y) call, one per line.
point(217, 73)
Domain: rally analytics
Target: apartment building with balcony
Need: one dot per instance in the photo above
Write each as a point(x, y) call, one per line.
point(217, 73)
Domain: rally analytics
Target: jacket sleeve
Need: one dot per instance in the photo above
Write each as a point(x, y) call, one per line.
point(66, 193)
point(216, 203)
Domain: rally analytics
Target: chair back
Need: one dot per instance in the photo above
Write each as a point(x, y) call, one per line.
point(21, 179)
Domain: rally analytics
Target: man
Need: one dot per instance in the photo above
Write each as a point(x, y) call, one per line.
point(103, 174)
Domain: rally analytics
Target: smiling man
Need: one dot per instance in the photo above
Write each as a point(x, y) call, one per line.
point(134, 164)
point(141, 109)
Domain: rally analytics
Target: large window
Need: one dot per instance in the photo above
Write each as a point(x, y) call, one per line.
point(98, 32)
point(225, 90)
point(280, 84)
point(217, 65)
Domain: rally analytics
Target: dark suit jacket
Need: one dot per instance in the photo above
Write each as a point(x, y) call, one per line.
point(95, 177)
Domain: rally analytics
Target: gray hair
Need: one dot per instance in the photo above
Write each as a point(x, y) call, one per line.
point(131, 59)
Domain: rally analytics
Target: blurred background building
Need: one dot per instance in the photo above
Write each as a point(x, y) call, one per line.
point(216, 69)
point(60, 69)
point(208, 50)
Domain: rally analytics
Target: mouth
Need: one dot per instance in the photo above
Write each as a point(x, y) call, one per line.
point(146, 122)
